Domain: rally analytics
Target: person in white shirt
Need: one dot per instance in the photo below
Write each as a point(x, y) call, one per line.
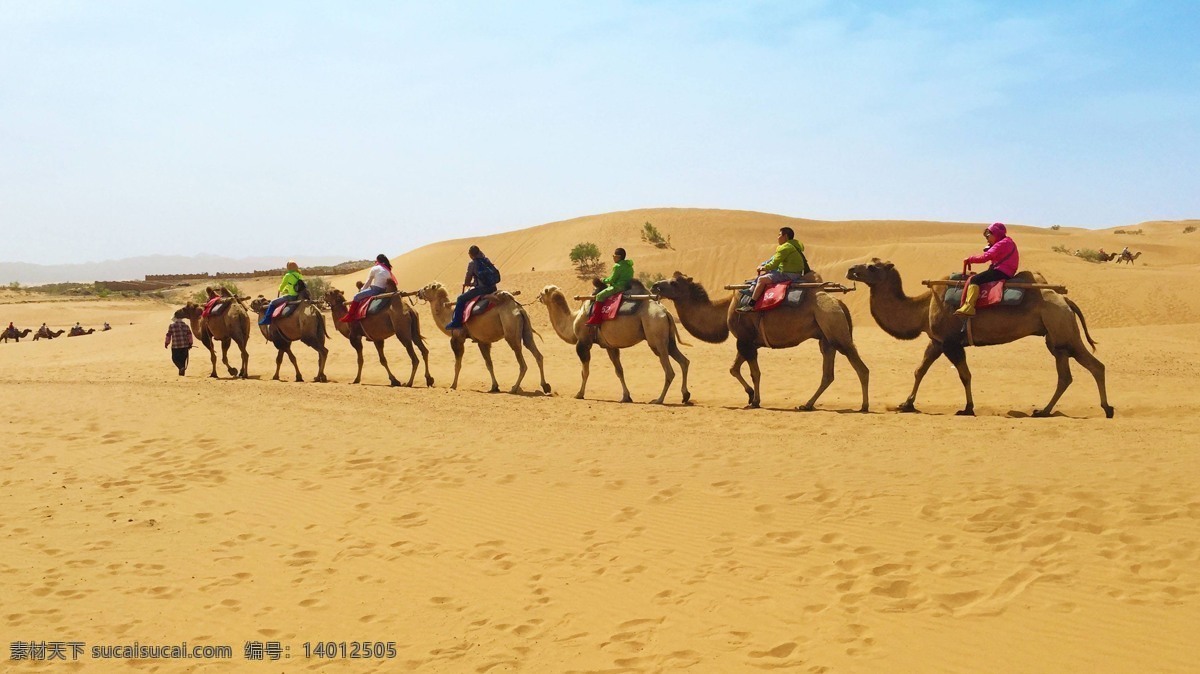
point(377, 279)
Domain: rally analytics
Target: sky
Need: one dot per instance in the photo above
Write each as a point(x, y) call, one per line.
point(132, 127)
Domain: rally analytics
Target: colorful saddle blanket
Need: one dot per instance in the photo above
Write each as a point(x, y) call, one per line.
point(358, 310)
point(477, 306)
point(216, 306)
point(284, 310)
point(990, 294)
point(776, 295)
point(608, 309)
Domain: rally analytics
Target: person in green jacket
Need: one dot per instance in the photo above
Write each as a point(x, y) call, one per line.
point(616, 282)
point(788, 264)
point(287, 291)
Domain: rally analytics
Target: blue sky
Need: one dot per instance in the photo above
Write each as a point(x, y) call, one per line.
point(131, 127)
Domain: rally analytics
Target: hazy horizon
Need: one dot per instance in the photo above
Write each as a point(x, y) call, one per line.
point(137, 128)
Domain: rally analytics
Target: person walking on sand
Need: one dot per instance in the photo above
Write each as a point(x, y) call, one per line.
point(1001, 251)
point(288, 291)
point(481, 279)
point(787, 264)
point(179, 340)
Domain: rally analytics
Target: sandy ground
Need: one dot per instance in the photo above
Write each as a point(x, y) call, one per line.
point(504, 532)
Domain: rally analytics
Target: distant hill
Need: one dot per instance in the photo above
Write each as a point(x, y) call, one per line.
point(136, 267)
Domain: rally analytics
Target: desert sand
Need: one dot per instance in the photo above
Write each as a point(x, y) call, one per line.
point(494, 533)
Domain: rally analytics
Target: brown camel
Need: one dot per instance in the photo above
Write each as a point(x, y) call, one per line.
point(1107, 257)
point(1042, 313)
point(651, 323)
point(399, 320)
point(47, 334)
point(506, 320)
point(13, 334)
point(1129, 257)
point(306, 324)
point(232, 325)
point(820, 316)
point(80, 332)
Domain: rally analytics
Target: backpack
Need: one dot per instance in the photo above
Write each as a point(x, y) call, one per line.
point(804, 260)
point(486, 273)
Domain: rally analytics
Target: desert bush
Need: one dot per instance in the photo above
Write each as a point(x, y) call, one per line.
point(1090, 255)
point(586, 258)
point(317, 286)
point(1056, 227)
point(650, 278)
point(16, 285)
point(1189, 229)
point(1061, 249)
point(200, 297)
point(1128, 231)
point(650, 234)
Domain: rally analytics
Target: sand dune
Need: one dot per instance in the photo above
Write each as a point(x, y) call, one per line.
point(499, 533)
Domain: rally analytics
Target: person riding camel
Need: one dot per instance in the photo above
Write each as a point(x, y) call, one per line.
point(377, 278)
point(618, 281)
point(288, 291)
point(1001, 252)
point(481, 279)
point(787, 264)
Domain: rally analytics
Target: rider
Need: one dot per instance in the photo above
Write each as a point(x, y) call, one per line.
point(618, 281)
point(482, 277)
point(1001, 251)
point(788, 264)
point(287, 291)
point(377, 278)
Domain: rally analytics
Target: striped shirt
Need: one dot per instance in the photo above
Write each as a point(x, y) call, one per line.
point(179, 335)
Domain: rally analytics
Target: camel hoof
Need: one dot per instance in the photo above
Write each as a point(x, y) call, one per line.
point(1041, 414)
point(965, 413)
point(299, 379)
point(546, 389)
point(751, 406)
point(213, 376)
point(429, 382)
point(656, 402)
point(275, 378)
point(805, 408)
point(579, 396)
point(627, 399)
point(233, 372)
point(515, 389)
point(863, 409)
point(395, 382)
point(1109, 411)
point(355, 381)
point(687, 397)
point(494, 389)
point(907, 408)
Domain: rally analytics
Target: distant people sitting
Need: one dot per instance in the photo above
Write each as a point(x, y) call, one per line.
point(377, 279)
point(1001, 251)
point(616, 282)
point(43, 331)
point(287, 291)
point(106, 327)
point(481, 279)
point(787, 264)
point(179, 340)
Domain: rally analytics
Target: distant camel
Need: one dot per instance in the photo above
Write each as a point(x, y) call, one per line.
point(13, 334)
point(306, 324)
point(47, 333)
point(651, 323)
point(1041, 313)
point(79, 332)
point(820, 316)
point(506, 320)
point(1129, 257)
point(233, 325)
point(399, 320)
point(1107, 257)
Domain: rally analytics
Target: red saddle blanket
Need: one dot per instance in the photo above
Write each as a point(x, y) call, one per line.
point(774, 296)
point(211, 306)
point(477, 306)
point(606, 310)
point(990, 294)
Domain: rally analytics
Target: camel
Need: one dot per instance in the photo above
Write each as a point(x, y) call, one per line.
point(80, 332)
point(47, 334)
point(1106, 257)
point(652, 324)
point(231, 326)
point(1128, 257)
point(820, 316)
point(14, 334)
point(306, 324)
point(506, 320)
point(399, 321)
point(1042, 313)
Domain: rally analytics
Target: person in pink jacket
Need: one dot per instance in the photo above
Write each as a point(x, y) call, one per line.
point(1001, 251)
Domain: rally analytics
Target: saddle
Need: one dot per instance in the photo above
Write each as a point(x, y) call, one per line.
point(990, 294)
point(777, 295)
point(284, 310)
point(478, 306)
point(216, 306)
point(359, 310)
point(617, 305)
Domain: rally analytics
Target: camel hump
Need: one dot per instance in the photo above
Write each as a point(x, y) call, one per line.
point(1024, 277)
point(636, 288)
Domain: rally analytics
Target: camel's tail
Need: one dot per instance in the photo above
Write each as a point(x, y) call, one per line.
point(414, 322)
point(1075, 308)
point(675, 330)
point(529, 325)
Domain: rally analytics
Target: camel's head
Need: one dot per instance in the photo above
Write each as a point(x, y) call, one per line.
point(875, 272)
point(430, 292)
point(334, 297)
point(548, 292)
point(210, 292)
point(259, 305)
point(678, 287)
point(191, 311)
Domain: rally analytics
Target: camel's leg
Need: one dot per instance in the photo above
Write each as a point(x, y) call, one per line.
point(736, 371)
point(827, 355)
point(956, 354)
point(485, 350)
point(225, 357)
point(668, 372)
point(932, 351)
point(748, 351)
point(322, 354)
point(584, 350)
point(278, 363)
point(1093, 365)
point(292, 356)
point(383, 361)
point(615, 356)
point(424, 359)
point(457, 347)
point(212, 353)
point(514, 342)
point(412, 357)
point(1062, 362)
point(358, 349)
point(673, 350)
point(242, 344)
point(860, 368)
point(527, 340)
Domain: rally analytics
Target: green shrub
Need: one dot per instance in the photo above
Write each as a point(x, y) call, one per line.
point(317, 287)
point(1061, 249)
point(16, 285)
point(1128, 231)
point(650, 278)
point(200, 296)
point(651, 234)
point(1091, 255)
point(1186, 230)
point(586, 258)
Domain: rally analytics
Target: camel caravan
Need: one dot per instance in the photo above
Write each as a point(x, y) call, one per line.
point(784, 305)
point(16, 335)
